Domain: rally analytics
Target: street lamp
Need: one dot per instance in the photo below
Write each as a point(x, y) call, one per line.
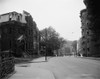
point(45, 53)
point(46, 45)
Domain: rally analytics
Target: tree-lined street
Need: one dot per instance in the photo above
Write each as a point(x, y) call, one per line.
point(58, 68)
point(55, 39)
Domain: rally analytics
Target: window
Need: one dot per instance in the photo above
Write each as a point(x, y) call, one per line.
point(83, 49)
point(18, 18)
point(83, 37)
point(83, 42)
point(88, 49)
point(34, 45)
point(10, 17)
point(88, 32)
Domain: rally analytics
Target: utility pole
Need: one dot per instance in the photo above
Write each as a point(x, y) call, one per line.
point(46, 45)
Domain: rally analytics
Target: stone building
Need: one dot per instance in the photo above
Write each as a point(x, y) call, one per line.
point(19, 33)
point(88, 45)
point(84, 22)
point(90, 22)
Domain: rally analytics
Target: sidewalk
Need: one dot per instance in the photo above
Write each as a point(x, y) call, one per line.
point(92, 58)
point(29, 71)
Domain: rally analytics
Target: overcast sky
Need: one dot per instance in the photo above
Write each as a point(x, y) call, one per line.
point(62, 15)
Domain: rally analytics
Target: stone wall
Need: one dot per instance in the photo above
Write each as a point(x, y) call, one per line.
point(6, 64)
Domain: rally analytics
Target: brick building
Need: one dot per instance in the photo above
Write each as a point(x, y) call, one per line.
point(19, 33)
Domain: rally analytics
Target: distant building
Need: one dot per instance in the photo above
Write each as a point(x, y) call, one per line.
point(19, 33)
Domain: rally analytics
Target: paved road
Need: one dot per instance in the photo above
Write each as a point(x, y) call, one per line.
point(75, 68)
point(59, 68)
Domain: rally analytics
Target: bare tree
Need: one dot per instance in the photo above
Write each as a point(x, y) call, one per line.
point(51, 40)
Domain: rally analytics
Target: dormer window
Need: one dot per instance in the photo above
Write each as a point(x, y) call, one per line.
point(10, 17)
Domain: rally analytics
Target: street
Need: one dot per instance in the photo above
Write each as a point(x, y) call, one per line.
point(58, 68)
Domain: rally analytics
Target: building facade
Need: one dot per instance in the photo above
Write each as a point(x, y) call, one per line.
point(90, 41)
point(84, 31)
point(19, 33)
point(87, 34)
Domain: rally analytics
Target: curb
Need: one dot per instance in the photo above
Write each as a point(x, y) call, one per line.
point(9, 75)
point(91, 58)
